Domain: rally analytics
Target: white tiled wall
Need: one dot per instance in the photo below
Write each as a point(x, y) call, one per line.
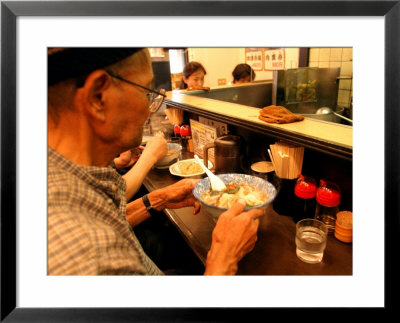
point(336, 57)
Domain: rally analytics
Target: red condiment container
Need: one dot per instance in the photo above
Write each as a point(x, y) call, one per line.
point(328, 198)
point(177, 130)
point(304, 190)
point(186, 135)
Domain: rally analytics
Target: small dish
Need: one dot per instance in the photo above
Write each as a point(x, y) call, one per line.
point(174, 151)
point(263, 169)
point(175, 169)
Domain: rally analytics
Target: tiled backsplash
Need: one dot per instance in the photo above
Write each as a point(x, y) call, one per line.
point(336, 57)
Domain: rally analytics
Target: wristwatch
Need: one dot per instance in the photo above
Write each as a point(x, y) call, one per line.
point(152, 211)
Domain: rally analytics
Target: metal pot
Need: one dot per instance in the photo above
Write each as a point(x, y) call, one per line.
point(228, 152)
point(332, 116)
point(327, 111)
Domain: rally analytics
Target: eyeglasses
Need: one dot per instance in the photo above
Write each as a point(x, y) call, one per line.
point(154, 97)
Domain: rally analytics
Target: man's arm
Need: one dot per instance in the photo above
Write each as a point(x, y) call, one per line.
point(174, 196)
point(155, 149)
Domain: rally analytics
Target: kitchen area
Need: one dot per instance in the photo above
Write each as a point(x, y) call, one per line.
point(315, 83)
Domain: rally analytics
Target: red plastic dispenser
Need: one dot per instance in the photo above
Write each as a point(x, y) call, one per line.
point(328, 200)
point(177, 130)
point(186, 135)
point(304, 190)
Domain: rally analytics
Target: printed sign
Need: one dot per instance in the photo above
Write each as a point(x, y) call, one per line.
point(254, 57)
point(222, 128)
point(202, 135)
point(274, 59)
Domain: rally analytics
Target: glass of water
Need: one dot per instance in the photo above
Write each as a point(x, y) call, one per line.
point(311, 237)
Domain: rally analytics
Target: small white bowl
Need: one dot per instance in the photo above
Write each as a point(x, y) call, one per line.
point(171, 157)
point(175, 170)
point(215, 211)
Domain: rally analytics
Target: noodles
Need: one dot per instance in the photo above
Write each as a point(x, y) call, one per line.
point(189, 167)
point(252, 195)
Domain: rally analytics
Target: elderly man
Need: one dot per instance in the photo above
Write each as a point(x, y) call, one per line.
point(98, 101)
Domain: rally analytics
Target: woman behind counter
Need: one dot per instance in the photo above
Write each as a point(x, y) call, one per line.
point(193, 76)
point(243, 73)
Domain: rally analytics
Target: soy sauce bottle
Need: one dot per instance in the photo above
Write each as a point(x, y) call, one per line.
point(177, 131)
point(328, 199)
point(187, 143)
point(304, 202)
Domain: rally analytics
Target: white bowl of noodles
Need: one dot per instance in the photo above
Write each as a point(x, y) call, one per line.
point(257, 192)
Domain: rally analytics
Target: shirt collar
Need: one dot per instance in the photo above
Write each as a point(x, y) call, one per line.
point(105, 178)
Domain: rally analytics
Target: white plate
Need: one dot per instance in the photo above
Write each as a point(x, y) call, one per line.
point(174, 169)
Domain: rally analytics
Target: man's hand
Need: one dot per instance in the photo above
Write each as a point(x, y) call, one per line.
point(156, 148)
point(176, 196)
point(128, 158)
point(234, 235)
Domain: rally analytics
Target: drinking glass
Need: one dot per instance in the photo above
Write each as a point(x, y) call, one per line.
point(311, 235)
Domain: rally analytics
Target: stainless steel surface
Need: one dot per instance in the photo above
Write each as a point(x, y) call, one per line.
point(256, 95)
point(326, 92)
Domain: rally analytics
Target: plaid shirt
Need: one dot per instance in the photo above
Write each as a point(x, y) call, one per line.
point(87, 230)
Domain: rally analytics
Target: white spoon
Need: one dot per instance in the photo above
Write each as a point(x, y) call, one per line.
point(216, 183)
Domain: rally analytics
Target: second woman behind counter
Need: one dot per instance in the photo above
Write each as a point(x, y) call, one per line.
point(243, 73)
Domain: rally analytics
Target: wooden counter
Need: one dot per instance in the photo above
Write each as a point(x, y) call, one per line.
point(330, 138)
point(275, 250)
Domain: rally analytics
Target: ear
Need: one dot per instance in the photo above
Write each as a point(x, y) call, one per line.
point(92, 95)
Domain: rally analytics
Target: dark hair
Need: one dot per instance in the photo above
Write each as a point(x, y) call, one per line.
point(189, 69)
point(242, 71)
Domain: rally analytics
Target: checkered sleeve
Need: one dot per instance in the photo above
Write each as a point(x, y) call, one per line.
point(70, 250)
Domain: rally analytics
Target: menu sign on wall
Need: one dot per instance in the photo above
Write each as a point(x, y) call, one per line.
point(274, 59)
point(254, 57)
point(203, 135)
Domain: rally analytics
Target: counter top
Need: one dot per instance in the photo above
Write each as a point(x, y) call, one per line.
point(336, 139)
point(275, 250)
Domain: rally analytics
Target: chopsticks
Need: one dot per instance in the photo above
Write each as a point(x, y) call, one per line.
point(287, 159)
point(175, 115)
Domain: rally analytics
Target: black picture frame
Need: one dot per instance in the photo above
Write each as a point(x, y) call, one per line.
point(10, 10)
